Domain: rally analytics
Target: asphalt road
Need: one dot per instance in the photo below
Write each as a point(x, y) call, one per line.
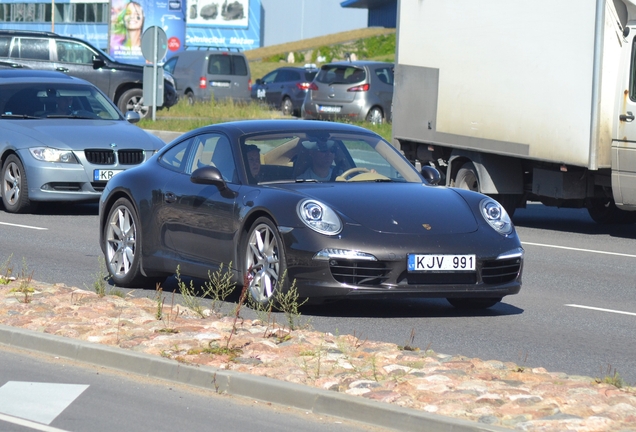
point(576, 312)
point(38, 392)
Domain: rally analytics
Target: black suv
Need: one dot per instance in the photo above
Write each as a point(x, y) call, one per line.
point(49, 51)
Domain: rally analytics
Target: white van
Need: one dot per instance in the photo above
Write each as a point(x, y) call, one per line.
point(206, 74)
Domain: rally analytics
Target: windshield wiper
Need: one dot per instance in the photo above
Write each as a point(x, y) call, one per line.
point(20, 116)
point(74, 116)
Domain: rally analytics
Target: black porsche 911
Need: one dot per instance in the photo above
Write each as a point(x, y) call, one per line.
point(332, 209)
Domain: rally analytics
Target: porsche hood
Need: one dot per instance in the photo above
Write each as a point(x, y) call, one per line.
point(407, 208)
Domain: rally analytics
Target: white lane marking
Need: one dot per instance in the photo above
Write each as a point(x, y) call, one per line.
point(580, 250)
point(23, 226)
point(36, 401)
point(29, 424)
point(601, 309)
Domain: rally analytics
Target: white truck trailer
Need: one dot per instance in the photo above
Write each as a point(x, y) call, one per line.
point(522, 100)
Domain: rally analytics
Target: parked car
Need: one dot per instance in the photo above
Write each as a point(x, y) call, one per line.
point(62, 139)
point(203, 75)
point(238, 194)
point(285, 88)
point(357, 90)
point(123, 83)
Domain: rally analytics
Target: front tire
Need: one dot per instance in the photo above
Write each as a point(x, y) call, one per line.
point(264, 265)
point(132, 100)
point(15, 191)
point(122, 245)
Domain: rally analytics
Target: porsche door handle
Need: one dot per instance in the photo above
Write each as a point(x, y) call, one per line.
point(61, 69)
point(629, 117)
point(170, 198)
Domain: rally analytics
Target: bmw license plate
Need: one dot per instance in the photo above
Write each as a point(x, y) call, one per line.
point(329, 109)
point(104, 175)
point(444, 263)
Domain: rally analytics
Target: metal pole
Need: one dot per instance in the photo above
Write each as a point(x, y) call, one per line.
point(154, 75)
point(53, 16)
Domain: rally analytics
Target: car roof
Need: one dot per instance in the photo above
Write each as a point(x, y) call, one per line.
point(243, 127)
point(27, 33)
point(34, 75)
point(359, 63)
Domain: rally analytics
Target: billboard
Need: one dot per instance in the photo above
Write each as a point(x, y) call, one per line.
point(129, 19)
point(224, 24)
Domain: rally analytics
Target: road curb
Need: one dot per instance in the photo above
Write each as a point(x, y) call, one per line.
point(264, 389)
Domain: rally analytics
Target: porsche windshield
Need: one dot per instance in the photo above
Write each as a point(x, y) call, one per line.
point(45, 100)
point(321, 156)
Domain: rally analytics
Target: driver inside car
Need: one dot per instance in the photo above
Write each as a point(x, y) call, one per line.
point(322, 154)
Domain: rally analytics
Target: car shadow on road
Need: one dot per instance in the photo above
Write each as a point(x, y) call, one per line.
point(63, 209)
point(363, 308)
point(405, 308)
point(568, 220)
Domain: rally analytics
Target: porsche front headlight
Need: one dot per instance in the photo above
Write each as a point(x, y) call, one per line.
point(319, 217)
point(48, 154)
point(496, 216)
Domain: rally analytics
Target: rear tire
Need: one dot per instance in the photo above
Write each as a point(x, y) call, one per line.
point(190, 98)
point(473, 303)
point(287, 107)
point(375, 116)
point(132, 100)
point(15, 190)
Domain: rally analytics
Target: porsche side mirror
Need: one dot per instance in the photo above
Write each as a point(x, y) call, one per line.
point(211, 176)
point(431, 175)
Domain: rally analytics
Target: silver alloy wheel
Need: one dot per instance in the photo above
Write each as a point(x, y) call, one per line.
point(262, 263)
point(375, 116)
point(11, 183)
point(121, 241)
point(287, 107)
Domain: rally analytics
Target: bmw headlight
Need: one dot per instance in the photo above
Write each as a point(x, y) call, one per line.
point(319, 217)
point(496, 216)
point(48, 154)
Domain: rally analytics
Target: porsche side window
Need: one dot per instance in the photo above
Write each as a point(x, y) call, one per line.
point(214, 150)
point(174, 158)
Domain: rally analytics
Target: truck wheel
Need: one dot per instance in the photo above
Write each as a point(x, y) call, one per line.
point(605, 211)
point(466, 178)
point(132, 100)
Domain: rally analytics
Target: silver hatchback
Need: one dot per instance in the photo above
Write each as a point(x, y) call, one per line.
point(358, 91)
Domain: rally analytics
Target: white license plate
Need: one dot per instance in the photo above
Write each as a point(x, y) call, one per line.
point(449, 263)
point(104, 175)
point(329, 109)
point(219, 83)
